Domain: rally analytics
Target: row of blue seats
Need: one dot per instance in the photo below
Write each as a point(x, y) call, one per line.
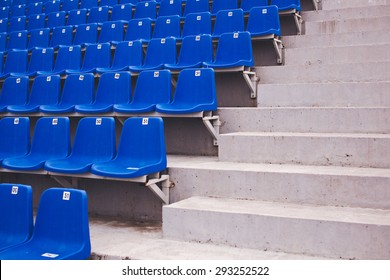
point(141, 150)
point(195, 92)
point(233, 49)
point(29, 6)
point(59, 232)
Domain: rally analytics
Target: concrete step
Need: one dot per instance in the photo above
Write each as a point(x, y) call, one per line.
point(348, 25)
point(337, 94)
point(315, 73)
point(336, 232)
point(336, 149)
point(126, 240)
point(343, 4)
point(330, 55)
point(305, 119)
point(333, 40)
point(315, 185)
point(347, 13)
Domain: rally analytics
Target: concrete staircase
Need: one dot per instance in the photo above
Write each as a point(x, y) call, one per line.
point(307, 171)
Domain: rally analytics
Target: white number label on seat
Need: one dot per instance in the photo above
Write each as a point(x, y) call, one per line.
point(66, 196)
point(54, 121)
point(14, 190)
point(16, 120)
point(145, 121)
point(99, 121)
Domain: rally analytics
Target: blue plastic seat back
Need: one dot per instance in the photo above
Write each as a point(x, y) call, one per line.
point(196, 6)
point(76, 17)
point(16, 214)
point(133, 2)
point(246, 5)
point(167, 26)
point(235, 48)
point(196, 24)
point(78, 89)
point(61, 227)
point(56, 19)
point(36, 21)
point(3, 45)
point(68, 58)
point(128, 53)
point(4, 11)
point(284, 5)
point(52, 6)
point(1, 59)
point(69, 5)
point(139, 29)
point(219, 5)
point(264, 21)
point(34, 8)
point(16, 62)
point(122, 12)
point(196, 87)
point(86, 34)
point(39, 38)
point(196, 49)
point(142, 143)
point(109, 3)
point(14, 91)
point(45, 90)
point(160, 51)
point(41, 60)
point(114, 88)
point(111, 31)
point(3, 25)
point(228, 21)
point(147, 9)
point(61, 36)
point(96, 55)
point(17, 40)
point(15, 140)
point(170, 7)
point(88, 4)
point(51, 138)
point(98, 14)
point(18, 10)
point(153, 87)
point(95, 140)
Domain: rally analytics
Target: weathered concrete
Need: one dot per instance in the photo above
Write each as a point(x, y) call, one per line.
point(342, 4)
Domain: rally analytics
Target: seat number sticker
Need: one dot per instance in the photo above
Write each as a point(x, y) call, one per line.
point(14, 190)
point(145, 121)
point(66, 196)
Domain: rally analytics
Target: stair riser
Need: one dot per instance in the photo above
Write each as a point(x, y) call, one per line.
point(306, 150)
point(342, 4)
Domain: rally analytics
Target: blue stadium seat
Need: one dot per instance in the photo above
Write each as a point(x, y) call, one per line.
point(76, 17)
point(14, 92)
point(109, 3)
point(4, 12)
point(18, 10)
point(51, 140)
point(139, 29)
point(167, 26)
point(56, 19)
point(158, 53)
point(264, 21)
point(37, 21)
point(69, 5)
point(61, 36)
point(122, 12)
point(147, 9)
point(44, 91)
point(285, 5)
point(152, 87)
point(170, 7)
point(196, 6)
point(34, 8)
point(197, 24)
point(194, 51)
point(40, 60)
point(132, 2)
point(228, 21)
point(111, 32)
point(52, 6)
point(3, 25)
point(219, 5)
point(15, 140)
point(17, 40)
point(96, 55)
point(78, 89)
point(234, 50)
point(247, 5)
point(61, 230)
point(88, 4)
point(16, 62)
point(98, 15)
point(3, 48)
point(141, 150)
point(39, 38)
point(94, 142)
point(68, 58)
point(127, 53)
point(16, 214)
point(195, 92)
point(113, 88)
point(86, 34)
